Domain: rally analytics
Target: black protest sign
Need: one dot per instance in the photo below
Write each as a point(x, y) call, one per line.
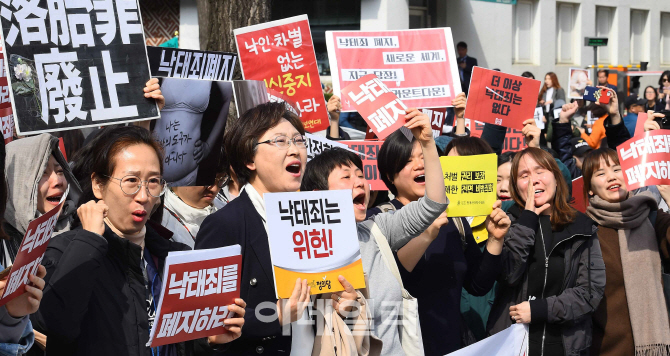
point(191, 64)
point(75, 64)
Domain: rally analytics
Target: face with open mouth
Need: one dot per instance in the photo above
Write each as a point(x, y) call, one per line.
point(411, 180)
point(351, 177)
point(278, 169)
point(129, 213)
point(608, 183)
point(503, 181)
point(543, 180)
point(51, 187)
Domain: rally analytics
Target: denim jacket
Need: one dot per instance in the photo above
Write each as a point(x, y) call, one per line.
point(9, 346)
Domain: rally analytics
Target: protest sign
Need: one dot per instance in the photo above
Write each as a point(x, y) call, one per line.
point(578, 80)
point(577, 200)
point(512, 341)
point(288, 43)
point(317, 144)
point(500, 98)
point(90, 73)
point(31, 251)
point(7, 124)
point(249, 94)
point(197, 288)
point(380, 108)
point(313, 236)
point(645, 159)
point(190, 64)
point(191, 129)
point(368, 151)
point(514, 139)
point(639, 124)
point(538, 116)
point(419, 65)
point(437, 117)
point(470, 183)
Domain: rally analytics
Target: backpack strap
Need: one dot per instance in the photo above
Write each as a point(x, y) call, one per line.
point(386, 207)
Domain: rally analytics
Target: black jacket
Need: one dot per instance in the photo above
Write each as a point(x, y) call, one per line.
point(95, 299)
point(239, 223)
point(470, 63)
point(561, 143)
point(583, 282)
point(616, 134)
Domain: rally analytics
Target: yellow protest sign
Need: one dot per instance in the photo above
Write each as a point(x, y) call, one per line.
point(470, 183)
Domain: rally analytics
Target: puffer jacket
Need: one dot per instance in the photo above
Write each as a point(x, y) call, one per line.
point(583, 283)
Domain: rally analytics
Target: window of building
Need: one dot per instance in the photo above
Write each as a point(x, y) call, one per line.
point(524, 16)
point(566, 17)
point(604, 20)
point(639, 37)
point(665, 38)
point(418, 14)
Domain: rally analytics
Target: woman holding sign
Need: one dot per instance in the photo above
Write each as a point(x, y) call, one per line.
point(633, 317)
point(436, 265)
point(104, 277)
point(553, 275)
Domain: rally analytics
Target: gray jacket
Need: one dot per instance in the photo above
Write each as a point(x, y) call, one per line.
point(583, 288)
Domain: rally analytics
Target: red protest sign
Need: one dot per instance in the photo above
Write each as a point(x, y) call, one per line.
point(500, 98)
point(577, 200)
point(639, 125)
point(30, 253)
point(380, 108)
point(281, 53)
point(419, 66)
point(645, 159)
point(7, 124)
point(514, 139)
point(198, 286)
point(437, 117)
point(277, 97)
point(369, 151)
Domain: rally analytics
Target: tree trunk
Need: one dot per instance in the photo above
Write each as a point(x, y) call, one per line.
point(218, 18)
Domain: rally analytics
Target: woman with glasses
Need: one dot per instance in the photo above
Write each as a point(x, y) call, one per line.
point(104, 277)
point(664, 91)
point(187, 207)
point(266, 149)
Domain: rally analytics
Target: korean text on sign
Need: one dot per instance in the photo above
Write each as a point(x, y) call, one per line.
point(501, 99)
point(191, 64)
point(437, 117)
point(317, 144)
point(470, 184)
point(380, 108)
point(196, 289)
point(645, 159)
point(59, 51)
point(281, 53)
point(419, 66)
point(313, 236)
point(514, 139)
point(368, 152)
point(30, 253)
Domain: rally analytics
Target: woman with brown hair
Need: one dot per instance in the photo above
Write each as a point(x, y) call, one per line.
point(633, 317)
point(553, 272)
point(551, 92)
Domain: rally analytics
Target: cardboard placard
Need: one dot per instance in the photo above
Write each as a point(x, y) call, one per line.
point(197, 288)
point(577, 82)
point(31, 251)
point(368, 151)
point(470, 184)
point(577, 200)
point(281, 53)
point(514, 139)
point(437, 117)
point(317, 144)
point(90, 73)
point(645, 159)
point(191, 64)
point(313, 236)
point(500, 98)
point(419, 66)
point(639, 124)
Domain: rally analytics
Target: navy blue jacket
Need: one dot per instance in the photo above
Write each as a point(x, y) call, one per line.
point(438, 278)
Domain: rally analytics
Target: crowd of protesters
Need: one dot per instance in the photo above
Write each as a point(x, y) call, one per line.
point(585, 283)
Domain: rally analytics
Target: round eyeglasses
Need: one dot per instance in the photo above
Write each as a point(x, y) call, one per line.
point(284, 142)
point(220, 181)
point(131, 184)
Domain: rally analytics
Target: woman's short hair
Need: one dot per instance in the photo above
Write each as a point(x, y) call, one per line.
point(97, 156)
point(592, 163)
point(468, 146)
point(241, 138)
point(506, 157)
point(562, 213)
point(393, 156)
point(322, 165)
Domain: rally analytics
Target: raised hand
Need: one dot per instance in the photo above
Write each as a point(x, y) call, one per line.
point(531, 133)
point(419, 123)
point(290, 310)
point(459, 105)
point(153, 90)
point(567, 112)
point(650, 124)
point(92, 216)
point(497, 223)
point(530, 199)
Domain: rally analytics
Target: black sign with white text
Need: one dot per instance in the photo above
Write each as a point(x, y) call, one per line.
point(191, 64)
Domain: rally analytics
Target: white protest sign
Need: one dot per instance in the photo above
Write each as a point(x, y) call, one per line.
point(313, 236)
point(539, 114)
point(512, 341)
